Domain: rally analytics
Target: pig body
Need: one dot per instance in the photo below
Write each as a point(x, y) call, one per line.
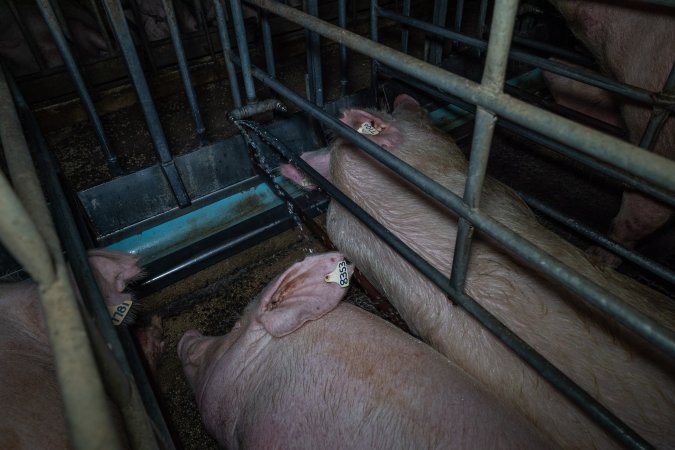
point(609, 30)
point(336, 377)
point(614, 366)
point(32, 416)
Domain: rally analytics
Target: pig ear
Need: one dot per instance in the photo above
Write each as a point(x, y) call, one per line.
point(382, 132)
point(302, 293)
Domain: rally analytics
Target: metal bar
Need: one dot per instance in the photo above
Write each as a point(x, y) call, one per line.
point(267, 44)
point(93, 4)
point(342, 23)
point(631, 182)
point(87, 414)
point(405, 33)
point(199, 13)
point(652, 266)
point(585, 76)
point(374, 36)
point(145, 42)
point(494, 74)
point(242, 45)
point(115, 368)
point(227, 48)
point(435, 45)
point(27, 35)
point(314, 56)
point(577, 395)
point(642, 325)
point(658, 117)
point(87, 102)
point(611, 150)
point(566, 54)
point(459, 14)
point(184, 71)
point(116, 16)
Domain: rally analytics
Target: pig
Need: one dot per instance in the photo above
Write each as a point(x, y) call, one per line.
point(632, 43)
point(33, 416)
point(87, 40)
point(300, 369)
point(613, 365)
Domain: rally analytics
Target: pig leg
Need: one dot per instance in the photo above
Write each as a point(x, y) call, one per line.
point(150, 340)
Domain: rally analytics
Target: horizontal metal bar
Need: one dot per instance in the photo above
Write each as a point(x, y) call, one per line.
point(611, 150)
point(575, 73)
point(580, 397)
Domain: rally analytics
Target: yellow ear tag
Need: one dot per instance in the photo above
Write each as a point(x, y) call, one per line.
point(340, 275)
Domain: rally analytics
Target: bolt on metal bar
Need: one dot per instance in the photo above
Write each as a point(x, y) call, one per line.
point(242, 45)
point(184, 71)
point(597, 297)
point(115, 369)
point(405, 32)
point(121, 29)
point(227, 48)
point(605, 148)
point(494, 74)
point(575, 73)
point(75, 74)
point(553, 375)
point(342, 23)
point(87, 414)
point(267, 44)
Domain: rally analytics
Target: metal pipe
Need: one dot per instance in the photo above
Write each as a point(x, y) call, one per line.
point(605, 148)
point(59, 39)
point(201, 18)
point(374, 36)
point(184, 71)
point(585, 76)
point(118, 20)
point(435, 45)
point(639, 323)
point(227, 47)
point(405, 33)
point(242, 45)
point(145, 42)
point(93, 4)
point(87, 414)
point(314, 57)
point(577, 395)
point(267, 44)
point(566, 54)
point(342, 23)
point(659, 116)
point(494, 74)
point(109, 354)
point(459, 14)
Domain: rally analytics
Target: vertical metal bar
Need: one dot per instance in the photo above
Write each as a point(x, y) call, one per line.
point(115, 368)
point(314, 52)
point(503, 22)
point(184, 71)
point(374, 12)
point(658, 117)
point(405, 33)
point(116, 16)
point(242, 45)
point(55, 30)
point(145, 42)
point(267, 43)
point(201, 18)
point(87, 414)
point(435, 54)
point(101, 25)
point(459, 14)
point(225, 44)
point(28, 37)
point(342, 23)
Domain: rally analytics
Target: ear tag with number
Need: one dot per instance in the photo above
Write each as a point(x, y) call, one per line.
point(340, 275)
point(119, 312)
point(368, 128)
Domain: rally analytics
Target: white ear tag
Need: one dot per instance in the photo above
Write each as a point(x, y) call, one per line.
point(119, 312)
point(340, 275)
point(368, 128)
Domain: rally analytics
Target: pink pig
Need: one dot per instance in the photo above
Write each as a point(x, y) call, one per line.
point(300, 369)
